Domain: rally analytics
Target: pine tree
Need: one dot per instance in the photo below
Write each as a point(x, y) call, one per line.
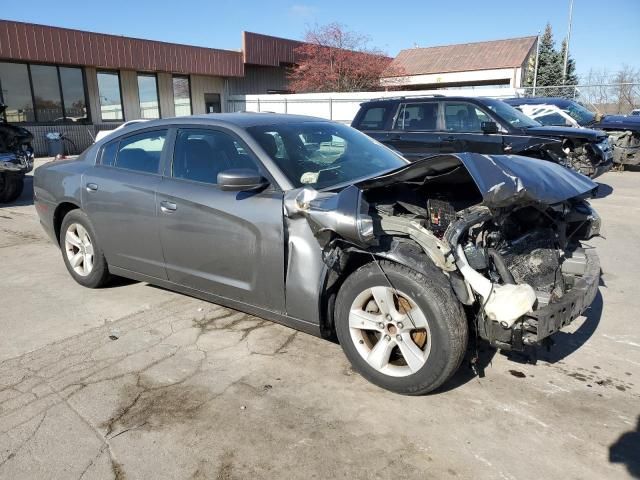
point(549, 61)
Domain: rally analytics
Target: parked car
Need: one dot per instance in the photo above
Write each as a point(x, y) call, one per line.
point(16, 158)
point(635, 112)
point(313, 224)
point(420, 126)
point(623, 131)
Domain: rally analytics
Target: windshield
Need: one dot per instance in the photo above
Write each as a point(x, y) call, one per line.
point(509, 114)
point(324, 154)
point(580, 114)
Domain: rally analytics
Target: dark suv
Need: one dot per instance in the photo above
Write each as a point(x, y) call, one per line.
point(421, 126)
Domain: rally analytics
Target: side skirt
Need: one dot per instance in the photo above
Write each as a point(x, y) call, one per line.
point(295, 323)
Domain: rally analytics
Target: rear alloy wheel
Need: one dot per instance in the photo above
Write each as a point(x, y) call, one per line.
point(79, 249)
point(81, 252)
point(402, 330)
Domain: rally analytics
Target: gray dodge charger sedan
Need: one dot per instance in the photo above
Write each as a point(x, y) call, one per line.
point(314, 225)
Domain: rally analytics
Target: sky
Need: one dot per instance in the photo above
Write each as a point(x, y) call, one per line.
point(605, 34)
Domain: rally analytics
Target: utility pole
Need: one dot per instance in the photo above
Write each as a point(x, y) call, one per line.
point(535, 69)
point(566, 50)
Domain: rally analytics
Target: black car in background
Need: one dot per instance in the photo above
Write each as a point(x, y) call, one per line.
point(623, 130)
point(421, 126)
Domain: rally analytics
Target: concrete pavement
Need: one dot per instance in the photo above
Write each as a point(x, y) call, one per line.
point(193, 390)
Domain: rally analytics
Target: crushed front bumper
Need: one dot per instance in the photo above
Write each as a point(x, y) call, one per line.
point(604, 153)
point(549, 319)
point(552, 317)
point(12, 163)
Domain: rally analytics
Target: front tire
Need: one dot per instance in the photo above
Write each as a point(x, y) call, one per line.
point(401, 330)
point(81, 251)
point(11, 186)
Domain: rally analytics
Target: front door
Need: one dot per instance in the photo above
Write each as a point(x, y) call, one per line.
point(212, 103)
point(463, 130)
point(415, 133)
point(227, 243)
point(119, 196)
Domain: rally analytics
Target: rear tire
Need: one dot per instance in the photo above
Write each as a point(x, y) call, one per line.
point(81, 251)
point(411, 347)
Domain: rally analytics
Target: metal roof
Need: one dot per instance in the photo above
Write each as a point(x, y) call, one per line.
point(464, 57)
point(42, 43)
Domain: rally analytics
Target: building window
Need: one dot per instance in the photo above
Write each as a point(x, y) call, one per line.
point(73, 94)
point(15, 92)
point(110, 97)
point(46, 93)
point(148, 93)
point(42, 93)
point(181, 96)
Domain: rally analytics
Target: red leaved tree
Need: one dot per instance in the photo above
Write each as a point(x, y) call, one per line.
point(333, 59)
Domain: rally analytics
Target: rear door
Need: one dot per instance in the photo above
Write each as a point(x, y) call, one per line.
point(119, 197)
point(415, 130)
point(463, 129)
point(227, 243)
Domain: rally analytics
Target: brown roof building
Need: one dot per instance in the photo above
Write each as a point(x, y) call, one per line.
point(78, 82)
point(497, 62)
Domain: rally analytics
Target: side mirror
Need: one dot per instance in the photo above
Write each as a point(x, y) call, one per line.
point(489, 127)
point(241, 179)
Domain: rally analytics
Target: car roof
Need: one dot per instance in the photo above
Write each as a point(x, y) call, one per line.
point(420, 98)
point(238, 119)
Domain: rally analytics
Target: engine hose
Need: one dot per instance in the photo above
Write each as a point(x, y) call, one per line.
point(502, 269)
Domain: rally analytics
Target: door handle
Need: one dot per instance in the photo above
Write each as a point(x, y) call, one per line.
point(168, 207)
point(449, 139)
point(92, 187)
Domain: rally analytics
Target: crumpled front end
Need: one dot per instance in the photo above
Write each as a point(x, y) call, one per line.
point(528, 270)
point(590, 159)
point(506, 231)
point(626, 147)
point(16, 163)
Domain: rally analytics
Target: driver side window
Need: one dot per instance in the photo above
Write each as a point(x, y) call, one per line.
point(464, 117)
point(201, 154)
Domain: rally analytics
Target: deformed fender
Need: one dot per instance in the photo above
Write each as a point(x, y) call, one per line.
point(408, 253)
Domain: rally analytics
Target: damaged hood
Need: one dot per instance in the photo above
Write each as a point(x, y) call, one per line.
point(502, 180)
point(567, 132)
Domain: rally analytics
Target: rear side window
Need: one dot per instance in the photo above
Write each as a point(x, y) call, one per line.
point(374, 118)
point(109, 152)
point(417, 116)
point(142, 152)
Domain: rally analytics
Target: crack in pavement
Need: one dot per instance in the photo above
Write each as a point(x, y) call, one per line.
point(152, 343)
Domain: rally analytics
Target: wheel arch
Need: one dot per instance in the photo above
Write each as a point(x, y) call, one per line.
point(398, 250)
point(59, 213)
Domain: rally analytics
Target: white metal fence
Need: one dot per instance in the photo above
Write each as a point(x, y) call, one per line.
point(342, 107)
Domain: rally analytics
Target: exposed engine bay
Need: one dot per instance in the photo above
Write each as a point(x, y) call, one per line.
point(590, 159)
point(587, 158)
point(626, 147)
point(506, 231)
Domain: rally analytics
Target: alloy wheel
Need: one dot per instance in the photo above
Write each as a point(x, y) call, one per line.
point(390, 331)
point(79, 249)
